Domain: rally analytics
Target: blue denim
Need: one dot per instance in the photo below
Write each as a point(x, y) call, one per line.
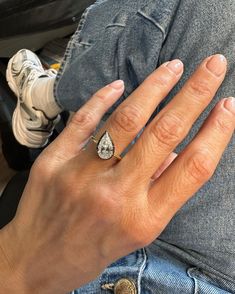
point(154, 271)
point(127, 40)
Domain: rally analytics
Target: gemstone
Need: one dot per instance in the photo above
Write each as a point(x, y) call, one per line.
point(105, 147)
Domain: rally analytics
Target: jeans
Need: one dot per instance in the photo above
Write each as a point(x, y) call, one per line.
point(128, 40)
point(154, 270)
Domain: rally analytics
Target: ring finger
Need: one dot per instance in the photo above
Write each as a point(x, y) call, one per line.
point(133, 114)
point(174, 122)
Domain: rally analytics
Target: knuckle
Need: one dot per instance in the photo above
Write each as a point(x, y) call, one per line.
point(223, 125)
point(169, 130)
point(100, 95)
point(128, 118)
point(83, 119)
point(199, 88)
point(161, 81)
point(200, 168)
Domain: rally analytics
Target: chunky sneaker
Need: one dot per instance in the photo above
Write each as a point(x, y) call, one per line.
point(31, 126)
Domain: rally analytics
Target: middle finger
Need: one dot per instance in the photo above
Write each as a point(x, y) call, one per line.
point(133, 114)
point(173, 123)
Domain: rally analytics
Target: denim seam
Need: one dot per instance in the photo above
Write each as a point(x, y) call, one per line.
point(142, 268)
point(116, 25)
point(107, 280)
point(189, 272)
point(153, 21)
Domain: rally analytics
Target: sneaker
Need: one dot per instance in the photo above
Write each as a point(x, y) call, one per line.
point(31, 126)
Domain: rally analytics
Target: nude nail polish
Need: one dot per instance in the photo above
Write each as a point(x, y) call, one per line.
point(217, 65)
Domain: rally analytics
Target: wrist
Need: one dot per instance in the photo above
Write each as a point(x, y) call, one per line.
point(17, 273)
point(8, 275)
point(11, 260)
point(13, 277)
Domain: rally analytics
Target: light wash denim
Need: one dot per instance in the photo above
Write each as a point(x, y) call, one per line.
point(127, 40)
point(154, 270)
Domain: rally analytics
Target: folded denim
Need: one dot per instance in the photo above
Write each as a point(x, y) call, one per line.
point(128, 40)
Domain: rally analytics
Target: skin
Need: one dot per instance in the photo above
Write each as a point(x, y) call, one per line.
point(78, 214)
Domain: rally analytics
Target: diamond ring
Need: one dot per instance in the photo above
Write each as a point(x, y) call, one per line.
point(105, 147)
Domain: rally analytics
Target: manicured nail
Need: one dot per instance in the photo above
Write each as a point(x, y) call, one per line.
point(117, 85)
point(217, 65)
point(229, 104)
point(176, 66)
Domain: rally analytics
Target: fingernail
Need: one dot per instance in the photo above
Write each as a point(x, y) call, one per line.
point(229, 104)
point(117, 85)
point(217, 65)
point(176, 66)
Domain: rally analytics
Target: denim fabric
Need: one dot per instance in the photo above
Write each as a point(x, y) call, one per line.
point(127, 40)
point(122, 33)
point(154, 270)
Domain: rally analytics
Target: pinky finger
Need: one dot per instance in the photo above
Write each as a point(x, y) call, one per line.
point(197, 163)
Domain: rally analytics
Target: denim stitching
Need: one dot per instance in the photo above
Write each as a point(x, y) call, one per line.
point(116, 25)
point(153, 21)
point(142, 268)
point(71, 45)
point(189, 272)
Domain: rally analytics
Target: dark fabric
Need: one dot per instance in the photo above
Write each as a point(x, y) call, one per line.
point(11, 197)
point(19, 17)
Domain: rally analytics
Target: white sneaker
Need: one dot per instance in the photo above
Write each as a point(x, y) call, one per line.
point(31, 126)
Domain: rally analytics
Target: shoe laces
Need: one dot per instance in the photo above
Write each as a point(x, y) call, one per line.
point(32, 66)
point(28, 72)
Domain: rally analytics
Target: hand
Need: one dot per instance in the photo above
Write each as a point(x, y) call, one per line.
point(78, 213)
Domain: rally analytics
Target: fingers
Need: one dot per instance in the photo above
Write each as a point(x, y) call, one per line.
point(173, 123)
point(197, 163)
point(132, 115)
point(72, 139)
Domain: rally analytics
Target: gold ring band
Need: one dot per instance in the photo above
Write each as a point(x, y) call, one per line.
point(94, 140)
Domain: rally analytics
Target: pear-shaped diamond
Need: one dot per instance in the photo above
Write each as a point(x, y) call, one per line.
point(105, 147)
